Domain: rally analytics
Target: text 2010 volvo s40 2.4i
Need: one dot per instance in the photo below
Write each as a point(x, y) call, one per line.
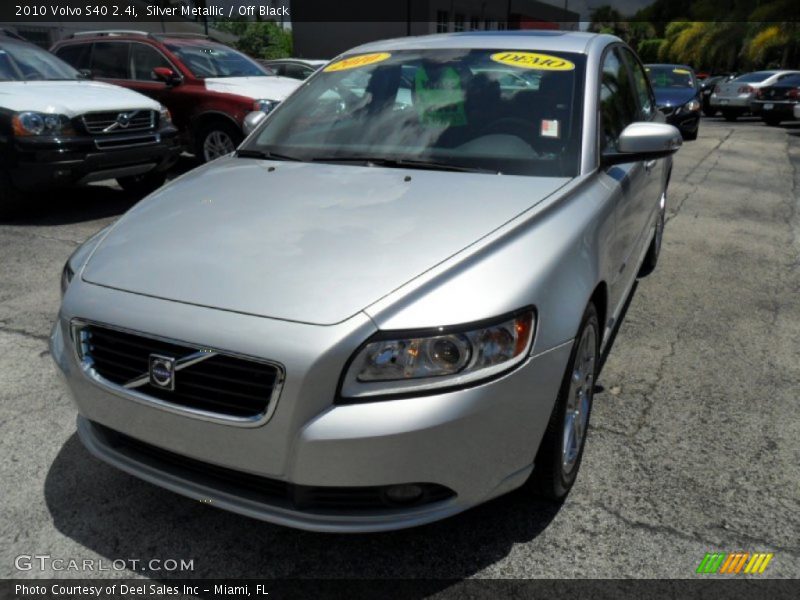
point(388, 305)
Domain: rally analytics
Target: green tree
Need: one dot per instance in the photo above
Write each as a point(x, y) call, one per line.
point(259, 39)
point(648, 50)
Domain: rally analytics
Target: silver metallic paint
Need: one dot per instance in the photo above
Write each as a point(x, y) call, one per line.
point(487, 245)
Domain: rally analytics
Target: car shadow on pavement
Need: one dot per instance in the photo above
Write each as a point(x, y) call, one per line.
point(118, 516)
point(77, 204)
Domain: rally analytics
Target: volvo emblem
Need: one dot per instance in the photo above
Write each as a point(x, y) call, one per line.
point(124, 119)
point(162, 372)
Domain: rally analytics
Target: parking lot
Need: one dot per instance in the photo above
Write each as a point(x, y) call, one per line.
point(693, 445)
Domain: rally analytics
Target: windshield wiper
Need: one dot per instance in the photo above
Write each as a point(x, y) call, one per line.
point(245, 153)
point(403, 163)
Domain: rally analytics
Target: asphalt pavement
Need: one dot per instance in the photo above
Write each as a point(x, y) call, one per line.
point(693, 446)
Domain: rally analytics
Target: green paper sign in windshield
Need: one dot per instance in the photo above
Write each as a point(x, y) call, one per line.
point(440, 103)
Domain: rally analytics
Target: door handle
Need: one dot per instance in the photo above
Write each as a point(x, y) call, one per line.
point(649, 164)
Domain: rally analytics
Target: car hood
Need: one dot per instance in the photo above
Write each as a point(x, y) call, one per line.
point(71, 98)
point(306, 242)
point(268, 87)
point(673, 97)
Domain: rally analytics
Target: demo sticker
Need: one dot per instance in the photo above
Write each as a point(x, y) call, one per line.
point(354, 62)
point(532, 60)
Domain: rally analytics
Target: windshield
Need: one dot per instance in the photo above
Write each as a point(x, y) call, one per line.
point(756, 77)
point(670, 77)
point(24, 62)
point(215, 60)
point(487, 110)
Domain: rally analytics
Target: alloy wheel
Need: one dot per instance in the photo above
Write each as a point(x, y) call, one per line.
point(217, 143)
point(579, 399)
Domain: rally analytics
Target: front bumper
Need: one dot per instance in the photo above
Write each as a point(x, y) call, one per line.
point(687, 123)
point(35, 164)
point(477, 442)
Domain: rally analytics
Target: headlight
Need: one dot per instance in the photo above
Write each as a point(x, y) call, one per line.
point(264, 105)
point(422, 361)
point(691, 106)
point(34, 123)
point(66, 277)
point(166, 117)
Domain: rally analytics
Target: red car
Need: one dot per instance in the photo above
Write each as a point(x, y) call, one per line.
point(208, 87)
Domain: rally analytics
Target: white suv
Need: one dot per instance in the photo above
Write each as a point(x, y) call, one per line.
point(57, 128)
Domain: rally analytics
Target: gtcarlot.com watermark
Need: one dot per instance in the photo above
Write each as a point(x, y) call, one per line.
point(46, 562)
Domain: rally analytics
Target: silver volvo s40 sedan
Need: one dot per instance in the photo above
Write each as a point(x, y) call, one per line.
point(389, 304)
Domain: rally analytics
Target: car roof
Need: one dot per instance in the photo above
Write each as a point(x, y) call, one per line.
point(670, 66)
point(302, 61)
point(129, 34)
point(535, 39)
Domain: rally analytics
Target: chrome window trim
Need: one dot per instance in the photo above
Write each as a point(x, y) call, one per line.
point(85, 364)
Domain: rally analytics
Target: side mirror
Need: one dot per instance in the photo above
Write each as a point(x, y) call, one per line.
point(166, 75)
point(644, 141)
point(252, 121)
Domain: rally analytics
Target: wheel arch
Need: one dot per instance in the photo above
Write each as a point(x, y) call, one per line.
point(599, 298)
point(212, 116)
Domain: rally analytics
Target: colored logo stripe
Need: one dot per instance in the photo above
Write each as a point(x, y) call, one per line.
point(732, 564)
point(758, 563)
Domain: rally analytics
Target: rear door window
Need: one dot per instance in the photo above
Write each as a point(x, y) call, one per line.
point(110, 60)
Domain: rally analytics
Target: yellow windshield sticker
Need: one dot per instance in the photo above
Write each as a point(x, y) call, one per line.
point(354, 62)
point(681, 71)
point(532, 60)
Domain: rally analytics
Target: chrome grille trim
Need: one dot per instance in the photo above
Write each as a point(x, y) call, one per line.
point(107, 122)
point(78, 329)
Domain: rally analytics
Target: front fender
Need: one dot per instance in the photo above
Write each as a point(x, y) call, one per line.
point(553, 257)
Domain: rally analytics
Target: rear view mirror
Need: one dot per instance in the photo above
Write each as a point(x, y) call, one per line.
point(253, 120)
point(644, 141)
point(166, 75)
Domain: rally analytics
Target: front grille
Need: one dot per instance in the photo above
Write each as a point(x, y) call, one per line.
point(264, 490)
point(666, 110)
point(126, 141)
point(222, 384)
point(124, 121)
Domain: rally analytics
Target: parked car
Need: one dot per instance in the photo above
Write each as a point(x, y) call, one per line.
point(734, 97)
point(775, 103)
point(707, 86)
point(209, 87)
point(677, 96)
point(57, 129)
point(410, 322)
point(296, 68)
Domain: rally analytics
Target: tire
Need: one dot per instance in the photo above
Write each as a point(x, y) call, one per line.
point(709, 112)
point(556, 469)
point(730, 115)
point(143, 184)
point(772, 121)
point(651, 258)
point(11, 199)
point(215, 139)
